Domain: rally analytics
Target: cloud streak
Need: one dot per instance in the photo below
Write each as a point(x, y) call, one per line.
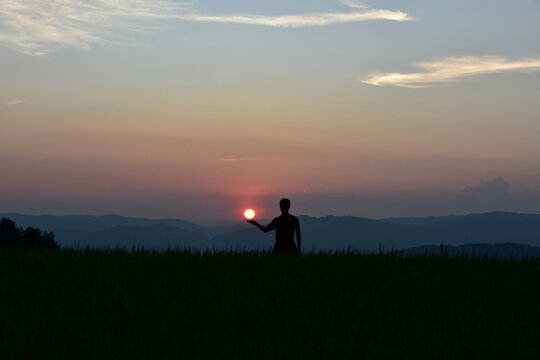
point(497, 187)
point(14, 102)
point(39, 27)
point(353, 4)
point(452, 69)
point(297, 21)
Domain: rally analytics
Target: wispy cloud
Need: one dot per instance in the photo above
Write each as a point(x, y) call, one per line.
point(310, 19)
point(15, 102)
point(452, 69)
point(296, 21)
point(353, 4)
point(491, 188)
point(39, 27)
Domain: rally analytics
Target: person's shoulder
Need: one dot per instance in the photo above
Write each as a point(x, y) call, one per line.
point(293, 218)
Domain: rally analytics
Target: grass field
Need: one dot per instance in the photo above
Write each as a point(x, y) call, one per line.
point(101, 305)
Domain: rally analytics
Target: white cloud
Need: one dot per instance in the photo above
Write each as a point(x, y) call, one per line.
point(452, 69)
point(15, 102)
point(310, 19)
point(296, 21)
point(39, 27)
point(353, 4)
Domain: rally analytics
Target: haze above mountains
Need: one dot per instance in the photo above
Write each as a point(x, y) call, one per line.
point(422, 234)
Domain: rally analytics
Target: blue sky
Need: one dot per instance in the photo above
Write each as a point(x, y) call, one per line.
point(105, 104)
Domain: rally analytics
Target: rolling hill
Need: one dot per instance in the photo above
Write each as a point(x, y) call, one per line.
point(325, 233)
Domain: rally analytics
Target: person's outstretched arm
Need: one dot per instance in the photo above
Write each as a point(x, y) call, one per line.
point(263, 228)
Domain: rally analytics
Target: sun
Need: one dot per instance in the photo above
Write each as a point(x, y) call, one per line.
point(249, 214)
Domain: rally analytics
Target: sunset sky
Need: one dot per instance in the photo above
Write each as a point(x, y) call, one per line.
point(199, 109)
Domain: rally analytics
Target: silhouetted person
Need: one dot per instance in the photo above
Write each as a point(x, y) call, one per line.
point(285, 225)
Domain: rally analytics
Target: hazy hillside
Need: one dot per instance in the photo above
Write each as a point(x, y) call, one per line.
point(326, 233)
point(95, 223)
point(494, 228)
point(341, 232)
point(420, 220)
point(159, 237)
point(338, 232)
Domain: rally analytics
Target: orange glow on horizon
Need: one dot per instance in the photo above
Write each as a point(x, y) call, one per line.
point(249, 214)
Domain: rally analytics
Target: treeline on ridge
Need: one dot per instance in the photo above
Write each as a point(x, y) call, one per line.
point(12, 235)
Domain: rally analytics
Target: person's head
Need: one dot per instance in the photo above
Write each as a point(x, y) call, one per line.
point(285, 205)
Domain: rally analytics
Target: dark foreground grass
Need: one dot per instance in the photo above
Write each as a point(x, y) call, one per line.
point(114, 305)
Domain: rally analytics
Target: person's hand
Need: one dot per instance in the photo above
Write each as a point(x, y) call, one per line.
point(253, 222)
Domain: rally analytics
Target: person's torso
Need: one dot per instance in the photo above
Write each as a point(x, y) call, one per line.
point(285, 228)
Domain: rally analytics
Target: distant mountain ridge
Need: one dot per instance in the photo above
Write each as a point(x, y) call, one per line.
point(421, 220)
point(325, 233)
point(96, 223)
point(155, 236)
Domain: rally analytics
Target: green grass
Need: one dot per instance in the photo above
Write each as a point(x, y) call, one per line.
point(101, 305)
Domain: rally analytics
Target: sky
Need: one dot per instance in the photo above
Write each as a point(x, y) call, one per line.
point(199, 109)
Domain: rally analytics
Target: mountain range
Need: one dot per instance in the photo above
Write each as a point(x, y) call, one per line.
point(319, 234)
